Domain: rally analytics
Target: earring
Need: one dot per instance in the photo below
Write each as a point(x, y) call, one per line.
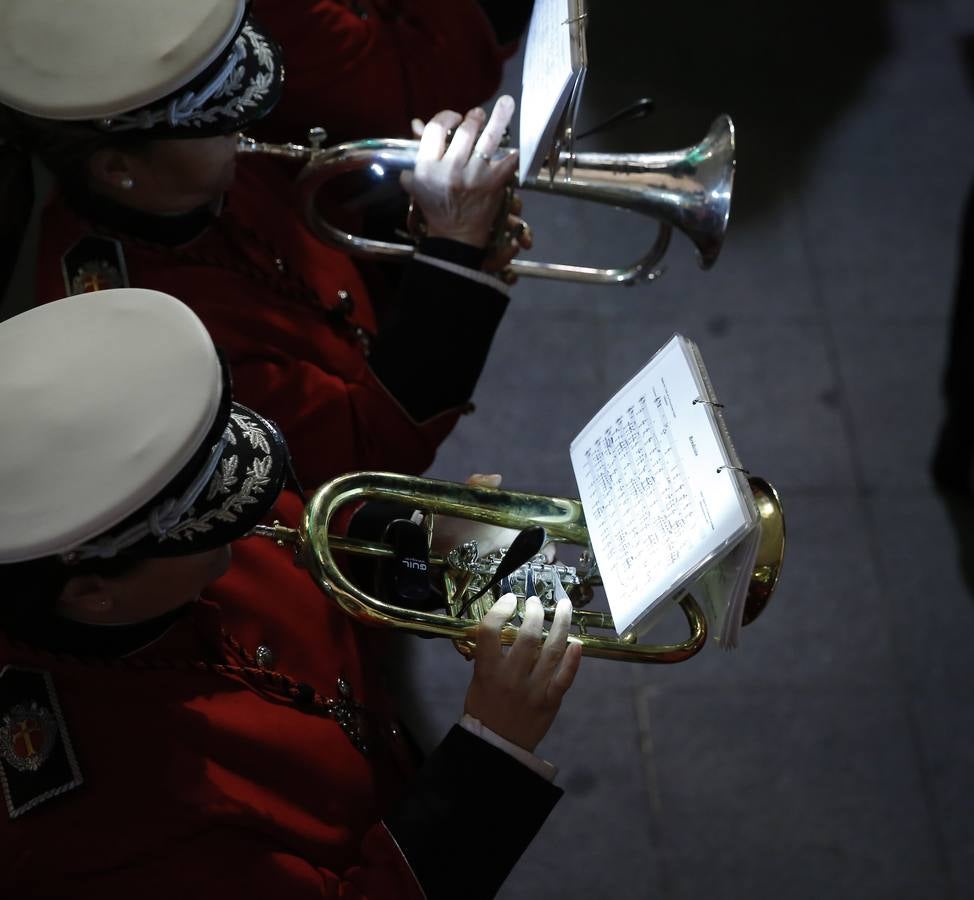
point(127, 183)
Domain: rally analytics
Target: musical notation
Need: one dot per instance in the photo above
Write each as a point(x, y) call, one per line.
point(553, 64)
point(635, 458)
point(656, 506)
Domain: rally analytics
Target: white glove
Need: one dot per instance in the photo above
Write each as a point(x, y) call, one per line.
point(460, 187)
point(517, 694)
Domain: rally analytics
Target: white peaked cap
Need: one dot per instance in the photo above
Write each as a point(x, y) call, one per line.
point(104, 398)
point(94, 59)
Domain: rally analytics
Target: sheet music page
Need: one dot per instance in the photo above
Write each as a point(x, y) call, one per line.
point(656, 507)
point(722, 590)
point(738, 565)
point(545, 83)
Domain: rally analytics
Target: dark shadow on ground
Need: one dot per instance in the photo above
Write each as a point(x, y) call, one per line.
point(785, 72)
point(953, 459)
point(960, 512)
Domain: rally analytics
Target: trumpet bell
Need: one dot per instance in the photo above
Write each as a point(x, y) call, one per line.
point(771, 549)
point(564, 522)
point(687, 189)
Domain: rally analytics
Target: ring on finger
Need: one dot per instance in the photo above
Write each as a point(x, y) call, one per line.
point(481, 155)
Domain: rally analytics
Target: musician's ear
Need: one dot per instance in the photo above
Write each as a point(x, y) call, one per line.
point(110, 170)
point(86, 598)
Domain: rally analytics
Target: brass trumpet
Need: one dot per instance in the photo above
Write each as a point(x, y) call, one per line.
point(688, 189)
point(465, 572)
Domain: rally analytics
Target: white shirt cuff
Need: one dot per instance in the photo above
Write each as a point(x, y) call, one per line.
point(473, 274)
point(535, 763)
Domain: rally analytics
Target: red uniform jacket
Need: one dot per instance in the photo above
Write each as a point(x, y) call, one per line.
point(364, 68)
point(201, 782)
point(295, 321)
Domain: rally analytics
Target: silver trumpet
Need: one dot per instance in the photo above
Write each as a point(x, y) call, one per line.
point(688, 189)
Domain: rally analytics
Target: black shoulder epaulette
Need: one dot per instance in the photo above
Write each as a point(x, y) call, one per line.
point(94, 264)
point(36, 758)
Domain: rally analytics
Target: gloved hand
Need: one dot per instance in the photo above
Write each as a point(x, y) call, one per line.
point(521, 238)
point(518, 693)
point(459, 187)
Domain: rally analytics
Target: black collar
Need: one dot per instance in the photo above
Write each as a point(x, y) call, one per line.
point(172, 231)
point(108, 641)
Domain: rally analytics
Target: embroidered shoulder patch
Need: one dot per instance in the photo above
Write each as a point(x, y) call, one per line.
point(94, 264)
point(36, 758)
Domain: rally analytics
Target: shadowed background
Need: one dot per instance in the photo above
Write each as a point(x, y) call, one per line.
point(830, 755)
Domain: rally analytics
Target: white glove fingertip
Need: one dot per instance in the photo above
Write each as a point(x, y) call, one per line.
point(567, 669)
point(505, 105)
point(499, 613)
point(533, 617)
point(508, 601)
point(560, 626)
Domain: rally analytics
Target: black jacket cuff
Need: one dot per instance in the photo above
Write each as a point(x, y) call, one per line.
point(431, 350)
point(469, 795)
point(462, 254)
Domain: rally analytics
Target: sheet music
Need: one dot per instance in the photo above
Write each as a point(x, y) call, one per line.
point(656, 507)
point(739, 566)
point(546, 81)
point(722, 590)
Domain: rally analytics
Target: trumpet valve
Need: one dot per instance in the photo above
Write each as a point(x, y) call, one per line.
point(317, 137)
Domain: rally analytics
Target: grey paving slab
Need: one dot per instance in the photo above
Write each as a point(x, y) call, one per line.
point(598, 842)
point(924, 548)
point(883, 199)
point(790, 793)
point(960, 14)
point(776, 379)
point(762, 272)
point(756, 254)
point(827, 626)
point(891, 379)
point(945, 722)
point(536, 394)
point(541, 384)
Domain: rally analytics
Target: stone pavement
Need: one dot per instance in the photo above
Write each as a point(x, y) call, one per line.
point(831, 754)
